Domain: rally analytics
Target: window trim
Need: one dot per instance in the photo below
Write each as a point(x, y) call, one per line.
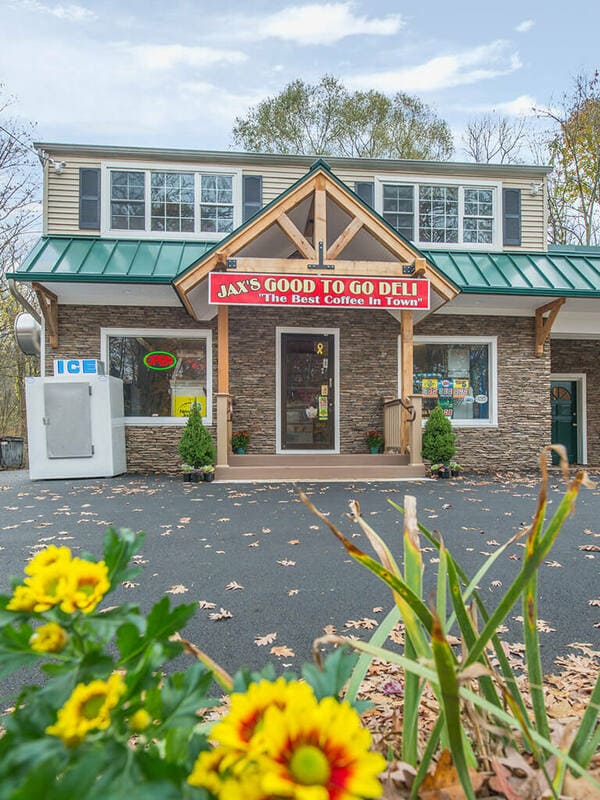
point(461, 184)
point(492, 342)
point(176, 333)
point(148, 167)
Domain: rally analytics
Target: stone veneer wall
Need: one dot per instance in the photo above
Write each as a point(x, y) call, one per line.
point(149, 448)
point(524, 422)
point(369, 365)
point(570, 356)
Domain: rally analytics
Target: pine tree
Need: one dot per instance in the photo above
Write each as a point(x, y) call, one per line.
point(196, 446)
point(438, 439)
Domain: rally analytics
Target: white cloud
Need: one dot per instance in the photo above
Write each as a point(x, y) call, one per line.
point(525, 26)
point(322, 23)
point(443, 72)
point(169, 56)
point(521, 106)
point(70, 12)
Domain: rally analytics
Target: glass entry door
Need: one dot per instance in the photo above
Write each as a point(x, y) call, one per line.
point(308, 392)
point(564, 417)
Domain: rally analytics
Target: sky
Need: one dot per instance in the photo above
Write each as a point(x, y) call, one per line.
point(177, 73)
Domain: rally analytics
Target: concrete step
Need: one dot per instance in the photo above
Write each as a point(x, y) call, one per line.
point(318, 459)
point(298, 472)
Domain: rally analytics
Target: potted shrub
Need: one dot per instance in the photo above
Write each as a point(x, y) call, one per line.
point(374, 440)
point(455, 469)
point(239, 441)
point(438, 442)
point(196, 446)
point(208, 473)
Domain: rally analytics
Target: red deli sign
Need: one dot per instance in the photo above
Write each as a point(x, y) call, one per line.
point(317, 291)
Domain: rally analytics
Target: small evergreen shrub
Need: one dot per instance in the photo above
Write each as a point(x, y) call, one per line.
point(438, 440)
point(196, 445)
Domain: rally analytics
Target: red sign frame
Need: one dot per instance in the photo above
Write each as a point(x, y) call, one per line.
point(318, 291)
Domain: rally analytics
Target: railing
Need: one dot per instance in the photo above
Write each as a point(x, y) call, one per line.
point(402, 427)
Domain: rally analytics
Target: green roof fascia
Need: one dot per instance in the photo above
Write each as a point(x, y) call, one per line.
point(320, 163)
point(91, 259)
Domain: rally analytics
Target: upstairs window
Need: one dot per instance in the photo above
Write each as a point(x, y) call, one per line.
point(439, 214)
point(216, 203)
point(172, 201)
point(127, 201)
point(176, 202)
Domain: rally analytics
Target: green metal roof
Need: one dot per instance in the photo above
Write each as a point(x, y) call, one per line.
point(563, 272)
point(87, 258)
point(567, 271)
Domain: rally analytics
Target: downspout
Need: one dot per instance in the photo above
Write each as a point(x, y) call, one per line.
point(23, 301)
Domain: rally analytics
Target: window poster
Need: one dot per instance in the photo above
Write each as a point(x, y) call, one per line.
point(458, 362)
point(445, 387)
point(429, 387)
point(447, 406)
point(460, 387)
point(323, 410)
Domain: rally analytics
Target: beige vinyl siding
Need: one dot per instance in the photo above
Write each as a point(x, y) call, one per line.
point(61, 213)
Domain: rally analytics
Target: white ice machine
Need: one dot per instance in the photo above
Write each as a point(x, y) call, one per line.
point(75, 423)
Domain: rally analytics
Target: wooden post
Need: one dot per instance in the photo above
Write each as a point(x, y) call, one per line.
point(544, 326)
point(406, 349)
point(320, 215)
point(416, 432)
point(223, 387)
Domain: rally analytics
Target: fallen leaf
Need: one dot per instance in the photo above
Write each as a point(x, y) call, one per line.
point(283, 651)
point(179, 588)
point(222, 613)
point(287, 563)
point(185, 520)
point(595, 602)
point(268, 638)
point(129, 584)
point(589, 548)
point(233, 585)
point(365, 622)
point(206, 604)
point(330, 630)
point(444, 784)
point(294, 541)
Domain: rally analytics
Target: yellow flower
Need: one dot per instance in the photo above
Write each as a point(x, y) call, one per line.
point(50, 638)
point(88, 583)
point(247, 710)
point(50, 555)
point(317, 753)
point(23, 599)
point(50, 585)
point(139, 721)
point(88, 708)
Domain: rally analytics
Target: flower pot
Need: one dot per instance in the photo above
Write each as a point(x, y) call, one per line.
point(209, 476)
point(374, 449)
point(443, 472)
point(196, 476)
point(187, 477)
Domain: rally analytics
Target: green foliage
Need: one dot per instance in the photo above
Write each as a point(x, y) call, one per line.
point(438, 439)
point(327, 119)
point(196, 445)
point(499, 700)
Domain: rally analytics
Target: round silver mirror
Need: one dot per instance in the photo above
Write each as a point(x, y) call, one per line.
point(27, 334)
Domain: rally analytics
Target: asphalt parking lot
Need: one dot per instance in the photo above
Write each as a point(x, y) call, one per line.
point(269, 578)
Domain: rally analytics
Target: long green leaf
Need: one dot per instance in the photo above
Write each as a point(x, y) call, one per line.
point(448, 681)
point(362, 665)
point(585, 742)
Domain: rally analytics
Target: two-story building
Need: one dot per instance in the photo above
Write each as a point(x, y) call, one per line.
point(308, 301)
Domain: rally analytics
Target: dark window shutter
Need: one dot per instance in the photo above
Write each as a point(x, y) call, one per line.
point(366, 191)
point(251, 195)
point(511, 223)
point(89, 198)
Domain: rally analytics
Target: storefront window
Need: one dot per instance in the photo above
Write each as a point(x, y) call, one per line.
point(162, 375)
point(457, 376)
